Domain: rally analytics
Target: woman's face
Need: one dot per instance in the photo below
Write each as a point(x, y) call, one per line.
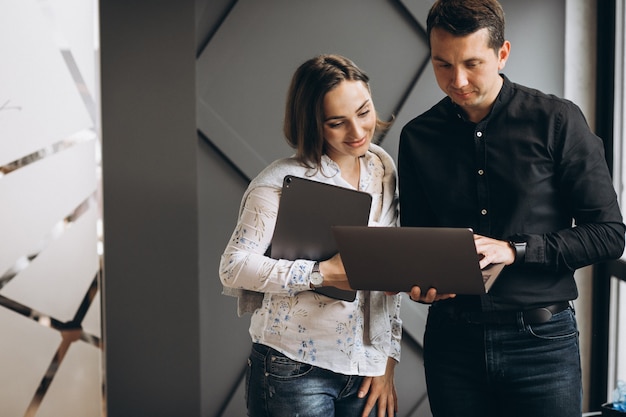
point(349, 120)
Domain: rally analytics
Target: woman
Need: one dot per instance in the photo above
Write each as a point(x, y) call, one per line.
point(313, 355)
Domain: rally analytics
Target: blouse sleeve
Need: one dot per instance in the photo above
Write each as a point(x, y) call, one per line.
point(244, 264)
point(396, 326)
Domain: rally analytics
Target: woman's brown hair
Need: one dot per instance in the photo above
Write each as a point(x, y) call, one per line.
point(304, 114)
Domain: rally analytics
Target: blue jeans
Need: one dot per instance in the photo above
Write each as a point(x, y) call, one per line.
point(501, 370)
point(280, 387)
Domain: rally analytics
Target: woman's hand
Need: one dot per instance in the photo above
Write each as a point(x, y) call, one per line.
point(382, 391)
point(334, 273)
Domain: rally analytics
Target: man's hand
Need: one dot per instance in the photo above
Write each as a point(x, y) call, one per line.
point(429, 296)
point(493, 251)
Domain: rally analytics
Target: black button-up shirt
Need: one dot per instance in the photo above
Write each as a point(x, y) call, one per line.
point(526, 172)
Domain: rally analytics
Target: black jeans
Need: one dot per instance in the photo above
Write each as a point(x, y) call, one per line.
point(503, 370)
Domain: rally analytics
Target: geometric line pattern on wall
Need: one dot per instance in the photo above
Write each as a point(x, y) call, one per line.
point(243, 73)
point(55, 287)
point(78, 376)
point(66, 264)
point(418, 9)
point(41, 103)
point(50, 269)
point(40, 195)
point(65, 334)
point(68, 385)
point(32, 347)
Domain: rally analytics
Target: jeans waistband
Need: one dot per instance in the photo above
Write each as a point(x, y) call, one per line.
point(532, 316)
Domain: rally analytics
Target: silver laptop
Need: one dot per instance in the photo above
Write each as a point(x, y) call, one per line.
point(397, 258)
point(307, 211)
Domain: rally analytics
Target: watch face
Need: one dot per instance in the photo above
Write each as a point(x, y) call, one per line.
point(316, 278)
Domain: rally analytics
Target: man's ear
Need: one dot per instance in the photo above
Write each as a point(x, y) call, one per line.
point(503, 54)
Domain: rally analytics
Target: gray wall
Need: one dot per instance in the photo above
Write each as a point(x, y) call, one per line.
point(174, 345)
point(149, 144)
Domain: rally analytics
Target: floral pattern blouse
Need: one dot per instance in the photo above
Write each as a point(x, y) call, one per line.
point(300, 323)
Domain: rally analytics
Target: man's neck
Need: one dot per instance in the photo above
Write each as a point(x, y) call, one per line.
point(478, 113)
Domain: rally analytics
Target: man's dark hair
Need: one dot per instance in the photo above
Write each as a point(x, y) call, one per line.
point(464, 17)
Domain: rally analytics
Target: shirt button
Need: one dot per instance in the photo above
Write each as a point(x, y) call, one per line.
point(481, 172)
point(479, 134)
point(483, 212)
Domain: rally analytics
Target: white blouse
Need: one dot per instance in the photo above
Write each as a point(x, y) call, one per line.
point(300, 323)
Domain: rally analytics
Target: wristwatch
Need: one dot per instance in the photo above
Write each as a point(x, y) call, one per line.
point(317, 279)
point(520, 251)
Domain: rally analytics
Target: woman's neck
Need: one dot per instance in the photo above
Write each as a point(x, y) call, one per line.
point(351, 170)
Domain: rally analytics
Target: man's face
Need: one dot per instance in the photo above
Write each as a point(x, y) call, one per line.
point(467, 69)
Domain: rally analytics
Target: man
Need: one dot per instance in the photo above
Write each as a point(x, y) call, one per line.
point(524, 171)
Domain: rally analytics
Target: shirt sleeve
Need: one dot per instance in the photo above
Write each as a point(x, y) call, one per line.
point(244, 263)
point(396, 327)
point(588, 193)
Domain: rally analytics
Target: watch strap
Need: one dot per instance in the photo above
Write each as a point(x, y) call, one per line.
point(520, 251)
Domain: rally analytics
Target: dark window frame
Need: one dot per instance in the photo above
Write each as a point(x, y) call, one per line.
point(604, 272)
